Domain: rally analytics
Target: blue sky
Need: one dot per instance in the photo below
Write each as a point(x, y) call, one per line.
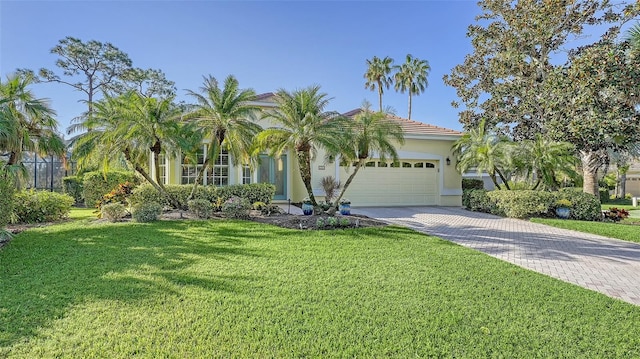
point(267, 45)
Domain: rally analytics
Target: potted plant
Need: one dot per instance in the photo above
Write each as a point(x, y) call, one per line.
point(345, 207)
point(563, 208)
point(307, 206)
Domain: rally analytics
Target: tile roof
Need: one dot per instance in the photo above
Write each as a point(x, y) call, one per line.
point(264, 96)
point(412, 127)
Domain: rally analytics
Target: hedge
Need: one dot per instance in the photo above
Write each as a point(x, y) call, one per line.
point(472, 183)
point(255, 192)
point(7, 190)
point(529, 203)
point(41, 206)
point(73, 187)
point(96, 184)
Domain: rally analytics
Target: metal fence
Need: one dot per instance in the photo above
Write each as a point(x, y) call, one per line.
point(46, 173)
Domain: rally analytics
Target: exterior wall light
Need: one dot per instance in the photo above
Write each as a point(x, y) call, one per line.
point(448, 161)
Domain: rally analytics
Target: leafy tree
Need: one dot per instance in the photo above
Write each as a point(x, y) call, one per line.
point(505, 78)
point(378, 75)
point(27, 123)
point(134, 126)
point(485, 150)
point(368, 133)
point(594, 105)
point(411, 77)
point(90, 67)
point(305, 126)
point(149, 83)
point(224, 116)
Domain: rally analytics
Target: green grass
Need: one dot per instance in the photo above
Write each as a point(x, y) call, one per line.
point(623, 230)
point(207, 289)
point(619, 203)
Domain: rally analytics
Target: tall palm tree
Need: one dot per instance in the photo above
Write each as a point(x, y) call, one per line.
point(485, 150)
point(225, 116)
point(633, 36)
point(305, 126)
point(368, 133)
point(377, 75)
point(26, 122)
point(542, 160)
point(133, 126)
point(412, 77)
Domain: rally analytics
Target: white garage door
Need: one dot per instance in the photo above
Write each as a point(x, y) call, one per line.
point(406, 183)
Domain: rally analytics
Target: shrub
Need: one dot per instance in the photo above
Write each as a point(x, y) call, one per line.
point(146, 212)
point(41, 206)
point(266, 209)
point(332, 221)
point(472, 183)
point(477, 200)
point(344, 222)
point(255, 192)
point(320, 223)
point(73, 187)
point(97, 184)
point(604, 194)
point(522, 204)
point(616, 214)
point(113, 211)
point(236, 207)
point(117, 195)
point(7, 191)
point(201, 208)
point(586, 207)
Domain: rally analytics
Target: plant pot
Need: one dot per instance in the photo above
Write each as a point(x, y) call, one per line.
point(563, 212)
point(307, 209)
point(345, 209)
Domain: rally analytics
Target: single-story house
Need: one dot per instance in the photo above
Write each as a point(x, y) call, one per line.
point(632, 184)
point(424, 175)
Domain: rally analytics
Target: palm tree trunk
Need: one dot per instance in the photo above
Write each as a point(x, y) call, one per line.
point(503, 179)
point(590, 165)
point(409, 104)
point(205, 167)
point(380, 96)
point(145, 175)
point(304, 161)
point(332, 210)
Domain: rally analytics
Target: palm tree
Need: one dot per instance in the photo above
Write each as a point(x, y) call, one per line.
point(133, 126)
point(305, 126)
point(377, 75)
point(368, 133)
point(542, 159)
point(633, 36)
point(26, 123)
point(224, 117)
point(412, 77)
point(485, 150)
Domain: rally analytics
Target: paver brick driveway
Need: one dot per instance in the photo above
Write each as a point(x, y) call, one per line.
point(602, 264)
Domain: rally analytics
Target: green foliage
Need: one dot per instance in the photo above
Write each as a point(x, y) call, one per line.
point(146, 212)
point(477, 200)
point(604, 194)
point(255, 192)
point(332, 221)
point(266, 209)
point(32, 206)
point(236, 207)
point(119, 194)
point(72, 186)
point(472, 183)
point(114, 211)
point(522, 204)
point(96, 184)
point(344, 222)
point(616, 214)
point(320, 222)
point(7, 190)
point(586, 207)
point(201, 208)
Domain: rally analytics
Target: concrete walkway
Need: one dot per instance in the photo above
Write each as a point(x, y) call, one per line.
point(606, 265)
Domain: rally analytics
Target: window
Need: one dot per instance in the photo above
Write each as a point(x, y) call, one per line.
point(395, 164)
point(218, 175)
point(382, 164)
point(190, 169)
point(246, 174)
point(370, 164)
point(429, 165)
point(406, 165)
point(418, 165)
point(162, 168)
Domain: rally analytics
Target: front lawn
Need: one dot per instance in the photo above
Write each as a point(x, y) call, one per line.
point(188, 289)
point(626, 230)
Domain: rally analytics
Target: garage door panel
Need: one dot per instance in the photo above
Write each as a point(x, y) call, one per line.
point(375, 186)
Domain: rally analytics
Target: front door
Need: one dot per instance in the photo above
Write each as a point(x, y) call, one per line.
point(274, 171)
